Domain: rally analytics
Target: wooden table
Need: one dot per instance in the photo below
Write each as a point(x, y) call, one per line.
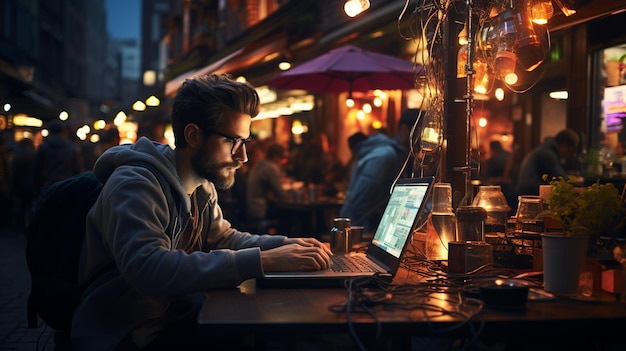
point(284, 314)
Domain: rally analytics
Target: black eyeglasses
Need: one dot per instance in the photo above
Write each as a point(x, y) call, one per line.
point(238, 143)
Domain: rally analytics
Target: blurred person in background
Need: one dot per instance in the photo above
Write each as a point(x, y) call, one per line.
point(308, 161)
point(574, 163)
point(496, 163)
point(57, 157)
point(379, 160)
point(336, 177)
point(495, 170)
point(22, 180)
point(109, 137)
point(549, 159)
point(315, 163)
point(354, 141)
point(263, 187)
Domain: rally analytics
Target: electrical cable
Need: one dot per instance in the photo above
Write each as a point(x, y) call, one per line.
point(433, 299)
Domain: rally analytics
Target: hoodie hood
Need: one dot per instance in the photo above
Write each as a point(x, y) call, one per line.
point(161, 156)
point(377, 141)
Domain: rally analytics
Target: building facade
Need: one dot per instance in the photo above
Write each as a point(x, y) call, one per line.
point(55, 56)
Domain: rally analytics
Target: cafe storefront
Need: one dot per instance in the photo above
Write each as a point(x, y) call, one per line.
point(578, 86)
point(568, 92)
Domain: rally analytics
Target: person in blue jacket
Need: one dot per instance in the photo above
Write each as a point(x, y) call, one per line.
point(379, 159)
point(149, 296)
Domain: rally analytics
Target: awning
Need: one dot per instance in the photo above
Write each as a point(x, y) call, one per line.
point(244, 57)
point(172, 86)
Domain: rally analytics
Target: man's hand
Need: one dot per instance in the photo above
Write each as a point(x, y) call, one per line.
point(308, 242)
point(301, 254)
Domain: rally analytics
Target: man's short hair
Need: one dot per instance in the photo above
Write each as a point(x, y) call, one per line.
point(495, 145)
point(409, 117)
point(568, 137)
point(205, 99)
point(356, 138)
point(110, 136)
point(55, 127)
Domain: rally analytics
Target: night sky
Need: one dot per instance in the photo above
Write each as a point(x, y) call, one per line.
point(123, 18)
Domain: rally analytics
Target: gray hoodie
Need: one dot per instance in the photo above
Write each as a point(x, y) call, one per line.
point(126, 232)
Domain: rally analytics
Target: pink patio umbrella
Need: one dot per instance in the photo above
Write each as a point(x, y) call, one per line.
point(349, 68)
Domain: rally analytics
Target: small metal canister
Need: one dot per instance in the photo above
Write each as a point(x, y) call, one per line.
point(340, 241)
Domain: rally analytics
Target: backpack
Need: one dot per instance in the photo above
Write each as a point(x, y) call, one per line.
point(54, 240)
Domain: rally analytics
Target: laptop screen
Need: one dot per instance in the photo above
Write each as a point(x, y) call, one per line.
point(400, 215)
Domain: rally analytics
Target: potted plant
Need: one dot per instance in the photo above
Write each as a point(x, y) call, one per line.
point(595, 211)
point(584, 214)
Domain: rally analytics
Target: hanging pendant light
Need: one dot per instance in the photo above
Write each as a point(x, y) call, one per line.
point(350, 100)
point(504, 37)
point(461, 62)
point(516, 37)
point(463, 35)
point(462, 56)
point(530, 48)
point(514, 46)
point(355, 7)
point(541, 11)
point(565, 8)
point(483, 77)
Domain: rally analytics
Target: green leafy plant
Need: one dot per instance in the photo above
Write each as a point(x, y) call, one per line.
point(594, 211)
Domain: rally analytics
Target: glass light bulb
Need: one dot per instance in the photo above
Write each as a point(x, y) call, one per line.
point(541, 11)
point(504, 63)
point(355, 7)
point(463, 35)
point(367, 108)
point(499, 94)
point(528, 46)
point(284, 65)
point(480, 88)
point(511, 78)
point(483, 78)
point(461, 60)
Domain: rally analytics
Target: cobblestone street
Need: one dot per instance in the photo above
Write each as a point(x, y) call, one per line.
point(15, 281)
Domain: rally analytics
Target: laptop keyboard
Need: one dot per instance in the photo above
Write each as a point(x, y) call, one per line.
point(350, 264)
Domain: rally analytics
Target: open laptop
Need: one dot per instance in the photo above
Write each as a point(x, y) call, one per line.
point(386, 248)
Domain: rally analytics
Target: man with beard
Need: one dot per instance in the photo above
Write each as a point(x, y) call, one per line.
point(147, 283)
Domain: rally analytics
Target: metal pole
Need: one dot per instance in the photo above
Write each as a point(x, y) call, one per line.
point(469, 102)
